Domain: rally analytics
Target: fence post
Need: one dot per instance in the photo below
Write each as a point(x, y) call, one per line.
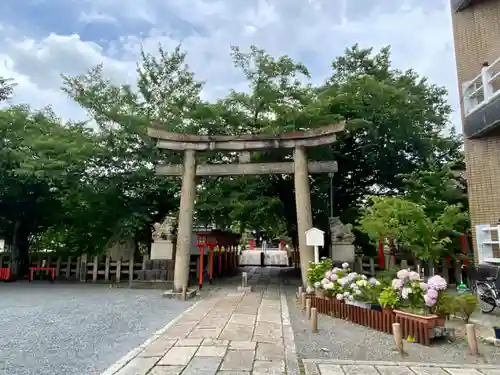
point(83, 267)
point(131, 269)
point(118, 270)
point(95, 268)
point(398, 337)
point(372, 267)
point(404, 264)
point(314, 319)
point(58, 266)
point(68, 268)
point(359, 264)
point(470, 329)
point(106, 267)
point(145, 259)
point(308, 308)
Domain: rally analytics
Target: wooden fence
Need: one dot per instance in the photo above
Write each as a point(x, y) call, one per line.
point(377, 320)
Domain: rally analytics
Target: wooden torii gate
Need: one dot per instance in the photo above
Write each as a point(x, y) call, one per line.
point(190, 144)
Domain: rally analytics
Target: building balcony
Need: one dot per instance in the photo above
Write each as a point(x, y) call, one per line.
point(481, 101)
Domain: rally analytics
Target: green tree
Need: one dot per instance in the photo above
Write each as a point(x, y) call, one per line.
point(41, 160)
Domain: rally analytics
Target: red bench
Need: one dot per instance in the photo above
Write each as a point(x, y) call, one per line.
point(52, 271)
point(5, 273)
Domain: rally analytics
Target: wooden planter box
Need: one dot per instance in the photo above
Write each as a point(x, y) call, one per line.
point(380, 321)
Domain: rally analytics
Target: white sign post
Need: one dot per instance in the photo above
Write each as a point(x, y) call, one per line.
point(315, 237)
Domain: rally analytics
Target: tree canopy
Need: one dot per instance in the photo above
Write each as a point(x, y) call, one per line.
point(76, 187)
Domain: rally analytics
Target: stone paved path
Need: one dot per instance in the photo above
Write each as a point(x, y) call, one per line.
point(226, 333)
point(343, 367)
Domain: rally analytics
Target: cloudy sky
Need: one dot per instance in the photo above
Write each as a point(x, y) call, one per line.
point(40, 39)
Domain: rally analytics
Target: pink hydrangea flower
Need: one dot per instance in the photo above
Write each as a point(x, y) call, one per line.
point(437, 283)
point(432, 293)
point(397, 284)
point(402, 274)
point(429, 302)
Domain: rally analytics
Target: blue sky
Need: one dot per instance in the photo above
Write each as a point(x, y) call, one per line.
point(40, 39)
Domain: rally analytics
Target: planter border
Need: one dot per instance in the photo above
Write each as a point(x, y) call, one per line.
point(374, 319)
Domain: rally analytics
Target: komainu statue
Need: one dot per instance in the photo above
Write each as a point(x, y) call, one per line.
point(163, 231)
point(339, 231)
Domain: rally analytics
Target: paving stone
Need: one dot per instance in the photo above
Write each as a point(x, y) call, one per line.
point(462, 371)
point(213, 322)
point(242, 345)
point(240, 360)
point(212, 342)
point(178, 331)
point(211, 351)
point(312, 369)
point(428, 370)
point(360, 370)
point(157, 348)
point(202, 366)
point(205, 333)
point(138, 366)
point(237, 332)
point(233, 372)
point(189, 342)
point(178, 356)
point(490, 371)
point(269, 352)
point(270, 318)
point(394, 370)
point(166, 370)
point(268, 368)
point(245, 319)
point(267, 332)
point(250, 309)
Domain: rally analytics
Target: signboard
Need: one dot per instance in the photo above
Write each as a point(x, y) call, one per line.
point(315, 237)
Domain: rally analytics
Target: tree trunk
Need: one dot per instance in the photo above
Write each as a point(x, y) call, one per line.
point(20, 251)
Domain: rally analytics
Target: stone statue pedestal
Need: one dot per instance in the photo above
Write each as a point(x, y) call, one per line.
point(162, 250)
point(343, 252)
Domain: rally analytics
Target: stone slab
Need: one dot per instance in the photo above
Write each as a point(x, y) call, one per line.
point(428, 371)
point(205, 333)
point(138, 366)
point(237, 332)
point(270, 352)
point(211, 351)
point(244, 289)
point(268, 368)
point(188, 342)
point(190, 293)
point(202, 366)
point(394, 370)
point(178, 356)
point(360, 370)
point(233, 372)
point(212, 342)
point(242, 345)
point(463, 371)
point(244, 319)
point(240, 360)
point(267, 332)
point(157, 348)
point(166, 370)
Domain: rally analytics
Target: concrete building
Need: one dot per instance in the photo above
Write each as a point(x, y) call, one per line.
point(476, 30)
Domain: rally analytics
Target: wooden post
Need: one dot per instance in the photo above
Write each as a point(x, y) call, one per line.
point(303, 301)
point(106, 267)
point(244, 279)
point(308, 308)
point(83, 268)
point(314, 320)
point(372, 267)
point(118, 270)
point(299, 293)
point(404, 264)
point(68, 268)
point(95, 268)
point(359, 264)
point(58, 266)
point(398, 337)
point(131, 269)
point(145, 259)
point(470, 330)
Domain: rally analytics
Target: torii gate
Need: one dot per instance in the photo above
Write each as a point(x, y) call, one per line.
point(189, 144)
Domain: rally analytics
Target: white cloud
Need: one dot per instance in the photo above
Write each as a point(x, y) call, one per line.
point(314, 31)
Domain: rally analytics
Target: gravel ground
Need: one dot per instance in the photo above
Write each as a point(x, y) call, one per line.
point(344, 340)
point(81, 329)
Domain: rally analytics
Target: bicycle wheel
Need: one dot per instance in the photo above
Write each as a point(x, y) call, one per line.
point(485, 297)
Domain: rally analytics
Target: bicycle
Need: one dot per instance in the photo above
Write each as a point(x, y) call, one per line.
point(487, 292)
